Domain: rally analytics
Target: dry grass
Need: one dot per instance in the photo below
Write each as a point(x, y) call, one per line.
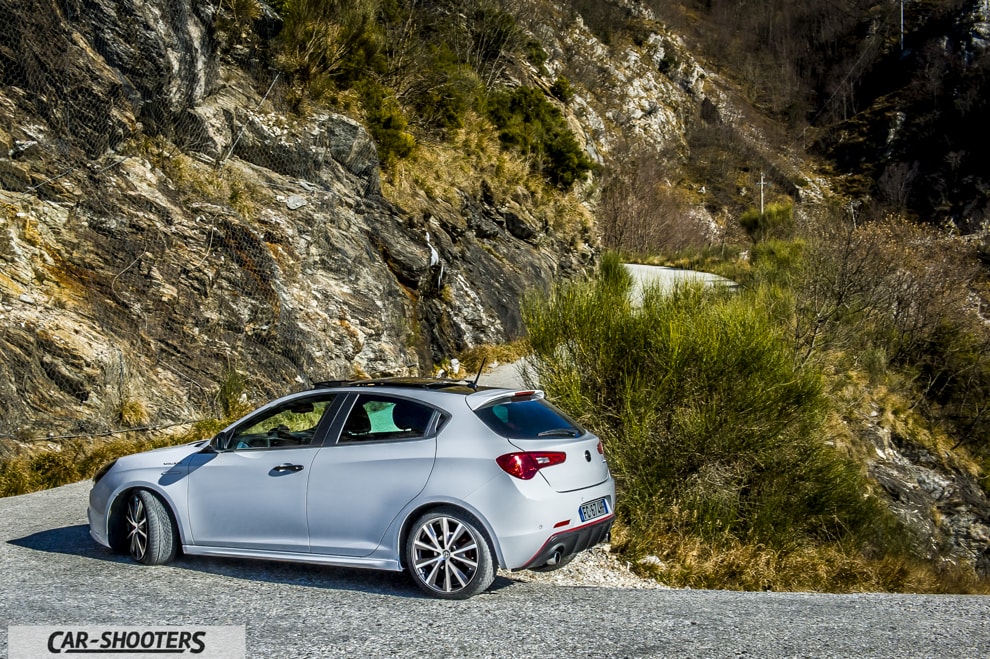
point(890, 404)
point(230, 185)
point(438, 173)
point(504, 353)
point(133, 413)
point(79, 459)
point(687, 561)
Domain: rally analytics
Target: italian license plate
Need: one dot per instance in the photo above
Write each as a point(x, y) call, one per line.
point(593, 509)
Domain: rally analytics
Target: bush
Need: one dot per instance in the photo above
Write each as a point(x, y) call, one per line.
point(640, 212)
point(778, 261)
point(387, 125)
point(447, 91)
point(81, 458)
point(532, 125)
point(776, 221)
point(893, 285)
point(320, 39)
point(562, 90)
point(710, 427)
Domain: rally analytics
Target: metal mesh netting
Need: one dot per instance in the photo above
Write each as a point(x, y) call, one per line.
point(173, 245)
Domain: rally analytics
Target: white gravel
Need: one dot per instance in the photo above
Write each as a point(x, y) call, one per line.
point(596, 567)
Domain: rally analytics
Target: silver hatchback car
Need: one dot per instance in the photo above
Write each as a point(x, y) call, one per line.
point(438, 477)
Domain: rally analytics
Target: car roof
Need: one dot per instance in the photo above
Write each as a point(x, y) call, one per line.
point(433, 384)
point(478, 395)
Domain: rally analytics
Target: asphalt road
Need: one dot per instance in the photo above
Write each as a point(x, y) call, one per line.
point(665, 279)
point(54, 574)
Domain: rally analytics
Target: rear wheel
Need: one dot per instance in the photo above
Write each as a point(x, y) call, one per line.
point(151, 535)
point(448, 555)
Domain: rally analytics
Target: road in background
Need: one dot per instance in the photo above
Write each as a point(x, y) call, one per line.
point(645, 276)
point(510, 375)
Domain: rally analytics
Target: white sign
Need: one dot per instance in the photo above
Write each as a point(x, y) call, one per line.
point(33, 642)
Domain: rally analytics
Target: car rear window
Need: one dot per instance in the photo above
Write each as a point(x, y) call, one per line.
point(528, 418)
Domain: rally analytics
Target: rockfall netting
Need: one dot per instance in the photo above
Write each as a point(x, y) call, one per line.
point(175, 246)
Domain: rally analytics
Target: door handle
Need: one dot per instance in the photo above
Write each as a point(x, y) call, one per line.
point(287, 467)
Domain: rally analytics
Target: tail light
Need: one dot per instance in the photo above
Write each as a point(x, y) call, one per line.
point(525, 465)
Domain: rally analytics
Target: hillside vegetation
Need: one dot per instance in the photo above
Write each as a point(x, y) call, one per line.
point(417, 71)
point(729, 426)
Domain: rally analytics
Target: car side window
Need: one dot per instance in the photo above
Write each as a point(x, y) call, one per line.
point(378, 418)
point(292, 424)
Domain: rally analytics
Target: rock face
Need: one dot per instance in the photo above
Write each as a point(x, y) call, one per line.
point(945, 507)
point(165, 233)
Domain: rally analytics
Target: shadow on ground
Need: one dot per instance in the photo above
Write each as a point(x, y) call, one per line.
point(75, 541)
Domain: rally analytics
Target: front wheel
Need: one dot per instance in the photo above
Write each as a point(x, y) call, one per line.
point(151, 534)
point(449, 556)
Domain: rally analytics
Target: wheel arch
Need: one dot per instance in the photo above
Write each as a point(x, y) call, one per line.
point(423, 508)
point(118, 506)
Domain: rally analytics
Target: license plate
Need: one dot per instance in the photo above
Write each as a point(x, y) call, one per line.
point(593, 509)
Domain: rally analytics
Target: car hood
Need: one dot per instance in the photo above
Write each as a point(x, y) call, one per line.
point(161, 457)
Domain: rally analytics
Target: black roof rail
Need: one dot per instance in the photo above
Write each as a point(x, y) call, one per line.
point(410, 382)
point(328, 384)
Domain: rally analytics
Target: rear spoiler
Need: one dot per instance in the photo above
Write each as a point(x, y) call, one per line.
point(480, 399)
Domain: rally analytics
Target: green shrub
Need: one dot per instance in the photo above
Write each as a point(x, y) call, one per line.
point(387, 125)
point(777, 261)
point(323, 39)
point(449, 90)
point(535, 127)
point(776, 221)
point(900, 296)
point(562, 90)
point(535, 54)
point(710, 427)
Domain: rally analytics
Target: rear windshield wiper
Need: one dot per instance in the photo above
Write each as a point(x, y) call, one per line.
point(559, 432)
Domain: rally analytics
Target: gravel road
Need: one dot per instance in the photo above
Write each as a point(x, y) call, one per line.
point(52, 573)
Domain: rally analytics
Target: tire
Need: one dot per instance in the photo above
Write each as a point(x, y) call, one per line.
point(151, 534)
point(448, 555)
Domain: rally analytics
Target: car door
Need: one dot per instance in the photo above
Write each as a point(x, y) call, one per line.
point(251, 494)
point(381, 460)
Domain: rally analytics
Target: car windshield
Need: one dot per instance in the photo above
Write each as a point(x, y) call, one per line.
point(293, 423)
point(528, 418)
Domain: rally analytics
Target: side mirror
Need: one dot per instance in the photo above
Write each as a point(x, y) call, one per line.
point(217, 444)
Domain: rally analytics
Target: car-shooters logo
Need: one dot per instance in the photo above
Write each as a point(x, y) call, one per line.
point(202, 642)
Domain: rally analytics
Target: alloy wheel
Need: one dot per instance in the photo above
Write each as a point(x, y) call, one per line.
point(445, 554)
point(137, 528)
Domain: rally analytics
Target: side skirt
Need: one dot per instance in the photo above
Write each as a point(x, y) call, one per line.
point(294, 557)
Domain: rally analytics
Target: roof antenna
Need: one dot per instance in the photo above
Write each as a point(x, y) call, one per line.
point(474, 385)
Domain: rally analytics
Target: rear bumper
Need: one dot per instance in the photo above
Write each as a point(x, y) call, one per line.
point(573, 541)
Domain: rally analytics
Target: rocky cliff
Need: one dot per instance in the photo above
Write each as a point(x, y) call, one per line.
point(166, 232)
